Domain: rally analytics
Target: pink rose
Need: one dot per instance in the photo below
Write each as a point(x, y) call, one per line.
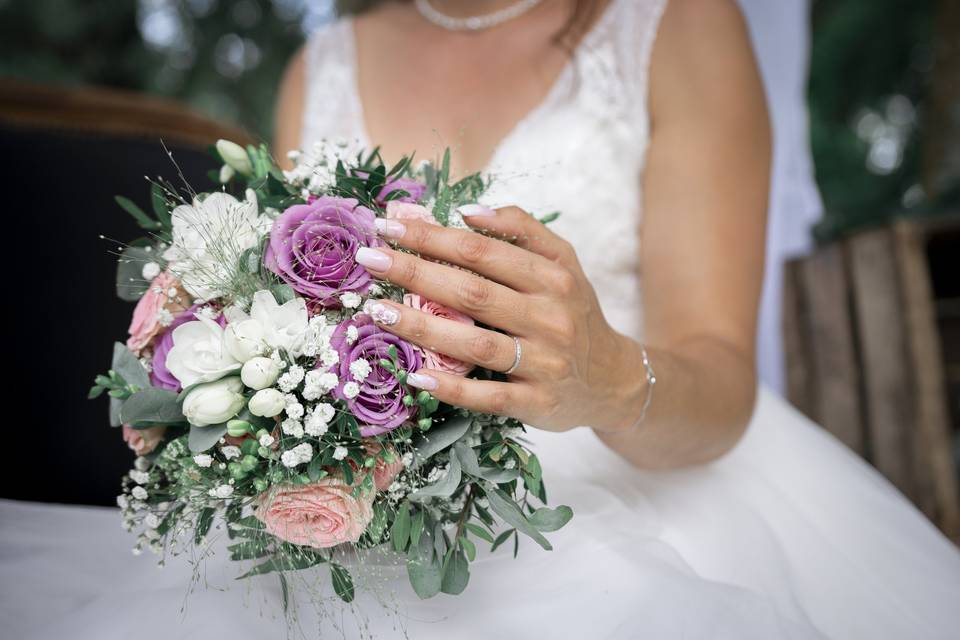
point(397, 210)
point(142, 441)
point(321, 514)
point(163, 294)
point(431, 359)
point(384, 473)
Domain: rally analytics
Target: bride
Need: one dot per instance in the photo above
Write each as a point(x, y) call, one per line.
point(643, 122)
point(705, 508)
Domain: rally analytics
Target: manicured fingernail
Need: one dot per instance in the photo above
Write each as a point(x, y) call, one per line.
point(373, 259)
point(476, 211)
point(390, 228)
point(422, 381)
point(381, 313)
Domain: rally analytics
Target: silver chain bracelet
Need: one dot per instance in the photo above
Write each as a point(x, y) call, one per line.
point(651, 383)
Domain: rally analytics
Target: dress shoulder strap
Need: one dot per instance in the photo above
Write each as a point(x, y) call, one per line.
point(330, 109)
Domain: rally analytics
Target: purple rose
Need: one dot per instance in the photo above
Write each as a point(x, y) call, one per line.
point(160, 376)
point(312, 248)
point(415, 188)
point(379, 405)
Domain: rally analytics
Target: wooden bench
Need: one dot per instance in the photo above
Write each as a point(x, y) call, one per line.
point(872, 340)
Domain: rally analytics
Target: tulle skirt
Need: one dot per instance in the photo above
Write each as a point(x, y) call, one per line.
point(790, 535)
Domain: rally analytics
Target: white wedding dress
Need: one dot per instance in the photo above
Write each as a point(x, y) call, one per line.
point(790, 535)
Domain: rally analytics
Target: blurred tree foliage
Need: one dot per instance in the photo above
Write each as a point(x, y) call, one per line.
point(873, 66)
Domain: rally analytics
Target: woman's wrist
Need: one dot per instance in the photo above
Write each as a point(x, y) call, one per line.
point(632, 389)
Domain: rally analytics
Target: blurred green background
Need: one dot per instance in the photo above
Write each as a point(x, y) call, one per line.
point(884, 98)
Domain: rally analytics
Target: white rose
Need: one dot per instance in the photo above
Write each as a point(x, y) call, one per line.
point(209, 236)
point(214, 402)
point(260, 372)
point(267, 403)
point(235, 157)
point(199, 353)
point(244, 339)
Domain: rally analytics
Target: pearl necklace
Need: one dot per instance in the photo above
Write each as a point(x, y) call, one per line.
point(474, 23)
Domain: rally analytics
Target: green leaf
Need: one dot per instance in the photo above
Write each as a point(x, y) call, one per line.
point(550, 217)
point(249, 550)
point(546, 519)
point(315, 468)
point(469, 548)
point(203, 438)
point(503, 537)
point(425, 573)
point(145, 221)
point(285, 562)
point(130, 282)
point(128, 366)
point(400, 530)
point(456, 574)
point(479, 531)
point(204, 521)
point(95, 392)
point(416, 527)
point(444, 487)
point(508, 510)
point(342, 582)
point(498, 476)
point(439, 438)
point(467, 457)
point(151, 405)
point(159, 202)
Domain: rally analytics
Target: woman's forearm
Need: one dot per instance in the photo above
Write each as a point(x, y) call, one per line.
point(700, 405)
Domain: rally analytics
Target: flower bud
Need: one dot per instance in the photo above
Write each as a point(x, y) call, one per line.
point(235, 157)
point(259, 373)
point(244, 340)
point(238, 428)
point(267, 403)
point(213, 402)
point(226, 174)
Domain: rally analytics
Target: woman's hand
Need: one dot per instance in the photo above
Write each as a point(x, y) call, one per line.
point(575, 369)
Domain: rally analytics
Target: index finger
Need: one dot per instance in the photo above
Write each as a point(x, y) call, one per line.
point(509, 265)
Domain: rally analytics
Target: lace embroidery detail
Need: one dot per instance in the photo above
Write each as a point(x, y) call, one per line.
point(581, 151)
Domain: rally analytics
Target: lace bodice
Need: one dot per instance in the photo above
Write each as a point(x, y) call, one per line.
point(581, 151)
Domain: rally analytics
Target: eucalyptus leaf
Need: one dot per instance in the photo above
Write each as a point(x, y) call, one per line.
point(128, 366)
point(507, 509)
point(546, 519)
point(400, 530)
point(467, 457)
point(479, 531)
point(444, 487)
point(138, 214)
point(203, 438)
point(498, 476)
point(151, 405)
point(456, 574)
point(342, 582)
point(416, 526)
point(284, 563)
point(130, 282)
point(439, 438)
point(204, 521)
point(115, 405)
point(423, 569)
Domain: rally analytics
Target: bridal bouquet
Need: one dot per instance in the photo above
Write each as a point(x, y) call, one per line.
point(257, 392)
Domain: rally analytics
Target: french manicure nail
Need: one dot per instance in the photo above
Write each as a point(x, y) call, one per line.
point(390, 228)
point(475, 211)
point(373, 259)
point(381, 313)
point(422, 381)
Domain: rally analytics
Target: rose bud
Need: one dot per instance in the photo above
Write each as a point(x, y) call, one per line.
point(267, 403)
point(235, 157)
point(244, 339)
point(259, 373)
point(213, 402)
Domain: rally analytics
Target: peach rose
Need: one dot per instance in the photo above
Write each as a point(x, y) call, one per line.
point(163, 294)
point(397, 210)
point(321, 514)
point(431, 359)
point(143, 441)
point(384, 473)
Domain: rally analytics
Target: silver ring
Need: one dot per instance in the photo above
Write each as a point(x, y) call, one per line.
point(518, 354)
